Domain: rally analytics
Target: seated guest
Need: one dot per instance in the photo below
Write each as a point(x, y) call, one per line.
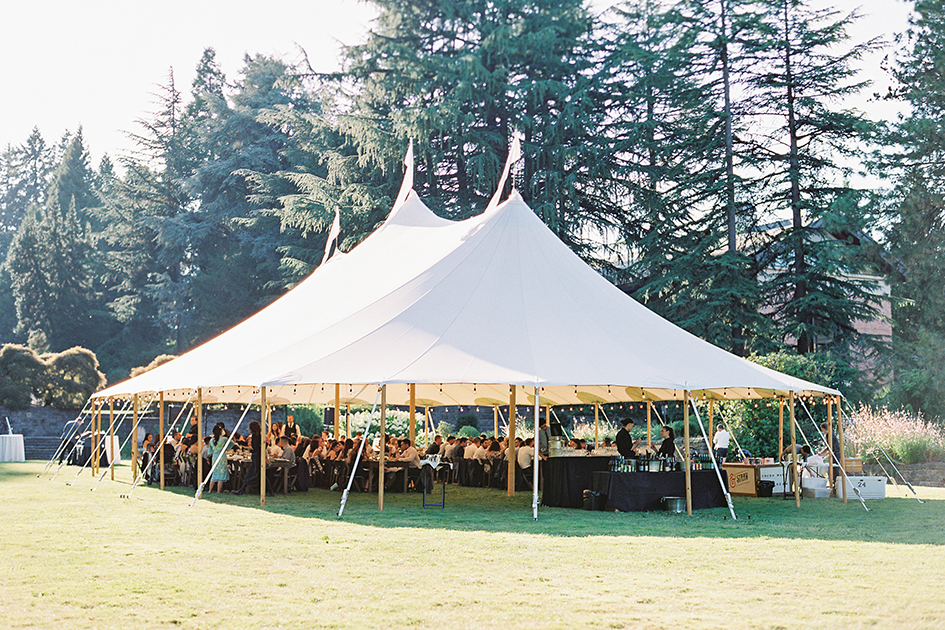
point(471, 447)
point(607, 442)
point(482, 450)
point(355, 448)
point(288, 453)
point(336, 451)
point(495, 450)
point(434, 449)
point(525, 453)
point(408, 453)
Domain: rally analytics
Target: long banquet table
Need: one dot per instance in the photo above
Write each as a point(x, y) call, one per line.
point(566, 479)
point(644, 491)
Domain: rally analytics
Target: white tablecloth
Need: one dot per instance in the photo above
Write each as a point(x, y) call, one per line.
point(112, 445)
point(11, 448)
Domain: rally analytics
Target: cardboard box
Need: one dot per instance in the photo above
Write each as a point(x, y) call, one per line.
point(741, 479)
point(869, 487)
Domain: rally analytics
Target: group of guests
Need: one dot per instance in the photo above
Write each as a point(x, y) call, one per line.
point(285, 446)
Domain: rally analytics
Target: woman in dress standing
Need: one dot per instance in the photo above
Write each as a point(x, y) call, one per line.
point(217, 449)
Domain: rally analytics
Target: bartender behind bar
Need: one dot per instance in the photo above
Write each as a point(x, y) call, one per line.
point(625, 444)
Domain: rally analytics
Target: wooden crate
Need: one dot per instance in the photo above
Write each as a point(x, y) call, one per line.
point(854, 464)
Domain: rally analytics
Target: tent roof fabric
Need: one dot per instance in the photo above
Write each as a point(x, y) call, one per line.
point(462, 310)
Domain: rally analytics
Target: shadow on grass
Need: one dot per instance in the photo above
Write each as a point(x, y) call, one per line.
point(892, 520)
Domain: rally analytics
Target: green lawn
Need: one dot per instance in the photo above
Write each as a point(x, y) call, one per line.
point(71, 558)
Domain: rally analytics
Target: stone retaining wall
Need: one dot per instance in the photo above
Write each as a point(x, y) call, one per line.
point(932, 474)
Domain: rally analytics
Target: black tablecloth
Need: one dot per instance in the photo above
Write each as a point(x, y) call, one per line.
point(641, 492)
point(566, 479)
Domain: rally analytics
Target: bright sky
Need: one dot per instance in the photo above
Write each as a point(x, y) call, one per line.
point(97, 63)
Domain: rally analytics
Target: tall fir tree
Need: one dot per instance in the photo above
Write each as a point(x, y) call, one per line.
point(806, 65)
point(459, 78)
point(48, 260)
point(914, 156)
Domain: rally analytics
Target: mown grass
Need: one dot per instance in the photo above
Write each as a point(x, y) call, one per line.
point(70, 558)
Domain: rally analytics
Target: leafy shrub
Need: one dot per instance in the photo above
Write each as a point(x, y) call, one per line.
point(20, 371)
point(444, 428)
point(70, 378)
point(906, 437)
point(310, 418)
point(468, 431)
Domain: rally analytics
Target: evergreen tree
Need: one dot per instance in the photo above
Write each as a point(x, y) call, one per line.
point(915, 160)
point(671, 71)
point(48, 260)
point(458, 78)
point(805, 66)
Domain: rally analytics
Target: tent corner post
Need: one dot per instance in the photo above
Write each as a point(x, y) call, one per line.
point(163, 437)
point(383, 456)
point(536, 461)
point(264, 451)
point(511, 446)
point(688, 463)
point(795, 475)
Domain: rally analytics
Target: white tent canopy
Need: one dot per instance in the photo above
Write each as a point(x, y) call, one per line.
point(462, 310)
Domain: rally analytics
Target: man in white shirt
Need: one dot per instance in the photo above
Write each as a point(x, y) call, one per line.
point(483, 449)
point(525, 454)
point(471, 448)
point(720, 442)
point(408, 453)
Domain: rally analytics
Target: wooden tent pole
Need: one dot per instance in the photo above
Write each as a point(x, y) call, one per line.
point(711, 418)
point(111, 440)
point(795, 474)
point(97, 424)
point(548, 415)
point(830, 479)
point(511, 449)
point(337, 409)
point(199, 435)
point(649, 410)
point(383, 457)
point(134, 440)
point(596, 424)
point(780, 427)
point(495, 420)
point(263, 456)
point(843, 460)
point(95, 405)
point(688, 463)
point(161, 431)
point(412, 430)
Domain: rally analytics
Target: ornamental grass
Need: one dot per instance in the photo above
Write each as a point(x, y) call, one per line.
point(906, 437)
